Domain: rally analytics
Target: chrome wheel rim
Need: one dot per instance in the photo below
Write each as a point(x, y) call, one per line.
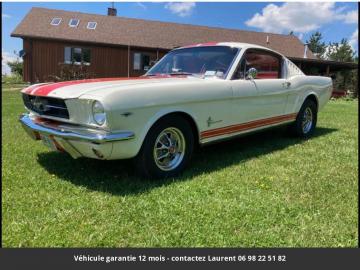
point(169, 149)
point(307, 120)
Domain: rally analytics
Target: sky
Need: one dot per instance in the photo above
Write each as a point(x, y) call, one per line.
point(334, 20)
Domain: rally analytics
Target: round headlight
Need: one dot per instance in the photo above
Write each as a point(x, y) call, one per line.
point(98, 113)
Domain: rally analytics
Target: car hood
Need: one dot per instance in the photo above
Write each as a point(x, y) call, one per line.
point(74, 89)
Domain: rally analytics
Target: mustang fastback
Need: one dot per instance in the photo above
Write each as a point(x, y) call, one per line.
point(194, 95)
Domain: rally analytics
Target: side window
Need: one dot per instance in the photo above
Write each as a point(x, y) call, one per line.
point(267, 65)
point(141, 61)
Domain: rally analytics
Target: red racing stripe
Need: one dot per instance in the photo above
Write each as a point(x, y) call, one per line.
point(247, 126)
point(46, 89)
point(31, 88)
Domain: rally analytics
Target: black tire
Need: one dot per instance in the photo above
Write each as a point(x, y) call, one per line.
point(145, 162)
point(297, 128)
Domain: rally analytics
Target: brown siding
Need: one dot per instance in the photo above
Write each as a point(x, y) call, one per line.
point(27, 72)
point(44, 59)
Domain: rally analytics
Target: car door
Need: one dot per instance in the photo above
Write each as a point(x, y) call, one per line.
point(264, 96)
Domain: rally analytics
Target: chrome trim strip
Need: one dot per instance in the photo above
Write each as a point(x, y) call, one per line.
point(93, 136)
point(56, 107)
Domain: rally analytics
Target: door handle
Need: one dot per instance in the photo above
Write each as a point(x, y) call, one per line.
point(286, 84)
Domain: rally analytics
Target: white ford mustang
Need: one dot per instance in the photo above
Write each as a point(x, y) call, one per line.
point(193, 95)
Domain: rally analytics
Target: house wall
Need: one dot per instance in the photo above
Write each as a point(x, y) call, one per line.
point(44, 59)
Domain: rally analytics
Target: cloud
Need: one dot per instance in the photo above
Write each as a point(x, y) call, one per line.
point(5, 16)
point(354, 39)
point(7, 57)
point(181, 9)
point(141, 5)
point(350, 17)
point(299, 17)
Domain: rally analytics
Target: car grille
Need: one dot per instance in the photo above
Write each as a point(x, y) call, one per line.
point(55, 107)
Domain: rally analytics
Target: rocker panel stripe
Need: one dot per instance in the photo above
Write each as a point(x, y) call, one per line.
point(246, 126)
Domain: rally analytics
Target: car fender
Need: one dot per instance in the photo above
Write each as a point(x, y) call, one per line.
point(161, 113)
point(306, 94)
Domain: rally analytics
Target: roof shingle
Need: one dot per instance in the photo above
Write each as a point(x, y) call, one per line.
point(143, 33)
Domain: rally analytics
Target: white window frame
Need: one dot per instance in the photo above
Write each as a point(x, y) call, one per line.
point(91, 28)
point(56, 24)
point(78, 21)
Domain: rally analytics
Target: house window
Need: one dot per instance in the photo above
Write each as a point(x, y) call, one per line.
point(137, 61)
point(91, 25)
point(55, 21)
point(141, 61)
point(67, 55)
point(74, 22)
point(77, 56)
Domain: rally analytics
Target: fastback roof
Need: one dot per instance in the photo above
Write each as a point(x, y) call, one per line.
point(142, 33)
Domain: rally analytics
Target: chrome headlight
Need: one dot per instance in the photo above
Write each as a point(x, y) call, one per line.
point(99, 114)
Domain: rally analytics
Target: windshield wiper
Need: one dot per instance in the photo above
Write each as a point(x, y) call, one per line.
point(181, 73)
point(150, 75)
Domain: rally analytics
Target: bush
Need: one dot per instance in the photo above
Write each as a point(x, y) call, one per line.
point(69, 72)
point(16, 67)
point(12, 79)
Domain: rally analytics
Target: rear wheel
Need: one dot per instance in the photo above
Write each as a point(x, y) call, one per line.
point(167, 148)
point(306, 119)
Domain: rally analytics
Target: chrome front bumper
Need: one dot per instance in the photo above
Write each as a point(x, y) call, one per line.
point(65, 134)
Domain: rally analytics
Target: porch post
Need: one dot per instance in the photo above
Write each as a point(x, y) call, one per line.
point(128, 66)
point(328, 70)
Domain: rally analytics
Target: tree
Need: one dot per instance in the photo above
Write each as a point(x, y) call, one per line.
point(16, 67)
point(342, 51)
point(316, 45)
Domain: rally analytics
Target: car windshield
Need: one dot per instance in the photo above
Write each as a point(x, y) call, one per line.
point(197, 61)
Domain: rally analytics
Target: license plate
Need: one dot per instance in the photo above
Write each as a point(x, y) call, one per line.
point(48, 142)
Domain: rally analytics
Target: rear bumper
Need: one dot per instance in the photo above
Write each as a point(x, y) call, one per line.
point(77, 141)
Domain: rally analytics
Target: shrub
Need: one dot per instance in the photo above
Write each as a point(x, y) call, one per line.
point(12, 79)
point(69, 72)
point(16, 67)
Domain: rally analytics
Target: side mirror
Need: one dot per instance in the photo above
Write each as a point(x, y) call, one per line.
point(252, 73)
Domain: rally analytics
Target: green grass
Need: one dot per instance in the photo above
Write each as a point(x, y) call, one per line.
point(264, 190)
point(12, 82)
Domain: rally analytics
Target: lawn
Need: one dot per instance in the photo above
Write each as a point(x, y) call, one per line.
point(263, 190)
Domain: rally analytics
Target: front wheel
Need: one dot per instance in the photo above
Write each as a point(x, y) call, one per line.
point(167, 148)
point(306, 119)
